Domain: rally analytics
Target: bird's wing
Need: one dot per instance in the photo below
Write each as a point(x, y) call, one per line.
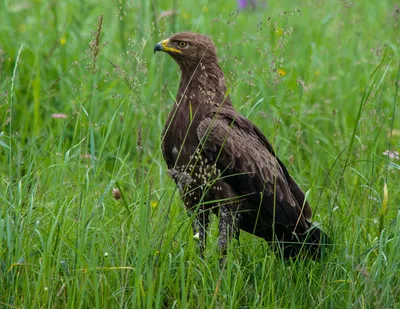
point(294, 188)
point(250, 166)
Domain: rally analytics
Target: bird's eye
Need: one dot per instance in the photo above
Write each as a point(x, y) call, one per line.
point(182, 44)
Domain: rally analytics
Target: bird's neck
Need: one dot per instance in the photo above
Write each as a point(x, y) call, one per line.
point(199, 91)
point(202, 85)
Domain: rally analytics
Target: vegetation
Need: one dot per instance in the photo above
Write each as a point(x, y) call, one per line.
point(88, 215)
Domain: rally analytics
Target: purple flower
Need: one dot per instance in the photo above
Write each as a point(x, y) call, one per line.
point(243, 4)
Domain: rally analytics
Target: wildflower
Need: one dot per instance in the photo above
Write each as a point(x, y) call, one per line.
point(185, 15)
point(153, 204)
point(59, 116)
point(22, 28)
point(63, 40)
point(392, 154)
point(281, 72)
point(244, 4)
point(278, 31)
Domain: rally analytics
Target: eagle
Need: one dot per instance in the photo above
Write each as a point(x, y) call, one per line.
point(223, 164)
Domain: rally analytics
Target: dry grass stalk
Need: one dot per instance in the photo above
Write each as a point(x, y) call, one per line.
point(95, 43)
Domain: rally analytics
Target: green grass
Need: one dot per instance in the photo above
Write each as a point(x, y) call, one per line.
point(65, 242)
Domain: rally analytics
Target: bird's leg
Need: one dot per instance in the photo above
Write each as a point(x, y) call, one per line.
point(228, 228)
point(200, 225)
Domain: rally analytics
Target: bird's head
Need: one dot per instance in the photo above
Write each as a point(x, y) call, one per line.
point(189, 50)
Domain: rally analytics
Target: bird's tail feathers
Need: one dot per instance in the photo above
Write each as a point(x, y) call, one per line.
point(312, 242)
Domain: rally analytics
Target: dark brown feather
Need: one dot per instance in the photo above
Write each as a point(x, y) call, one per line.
point(223, 163)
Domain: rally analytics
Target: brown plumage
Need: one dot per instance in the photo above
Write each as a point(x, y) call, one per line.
point(222, 163)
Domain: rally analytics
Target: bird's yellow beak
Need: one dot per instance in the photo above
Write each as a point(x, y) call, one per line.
point(165, 47)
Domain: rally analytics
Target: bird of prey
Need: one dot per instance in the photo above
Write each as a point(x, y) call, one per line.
point(223, 164)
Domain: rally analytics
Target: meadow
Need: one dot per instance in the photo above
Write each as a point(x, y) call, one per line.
point(89, 217)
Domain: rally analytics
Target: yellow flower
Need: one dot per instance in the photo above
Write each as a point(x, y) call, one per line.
point(205, 9)
point(281, 72)
point(185, 15)
point(317, 73)
point(63, 40)
point(278, 31)
point(22, 28)
point(153, 204)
